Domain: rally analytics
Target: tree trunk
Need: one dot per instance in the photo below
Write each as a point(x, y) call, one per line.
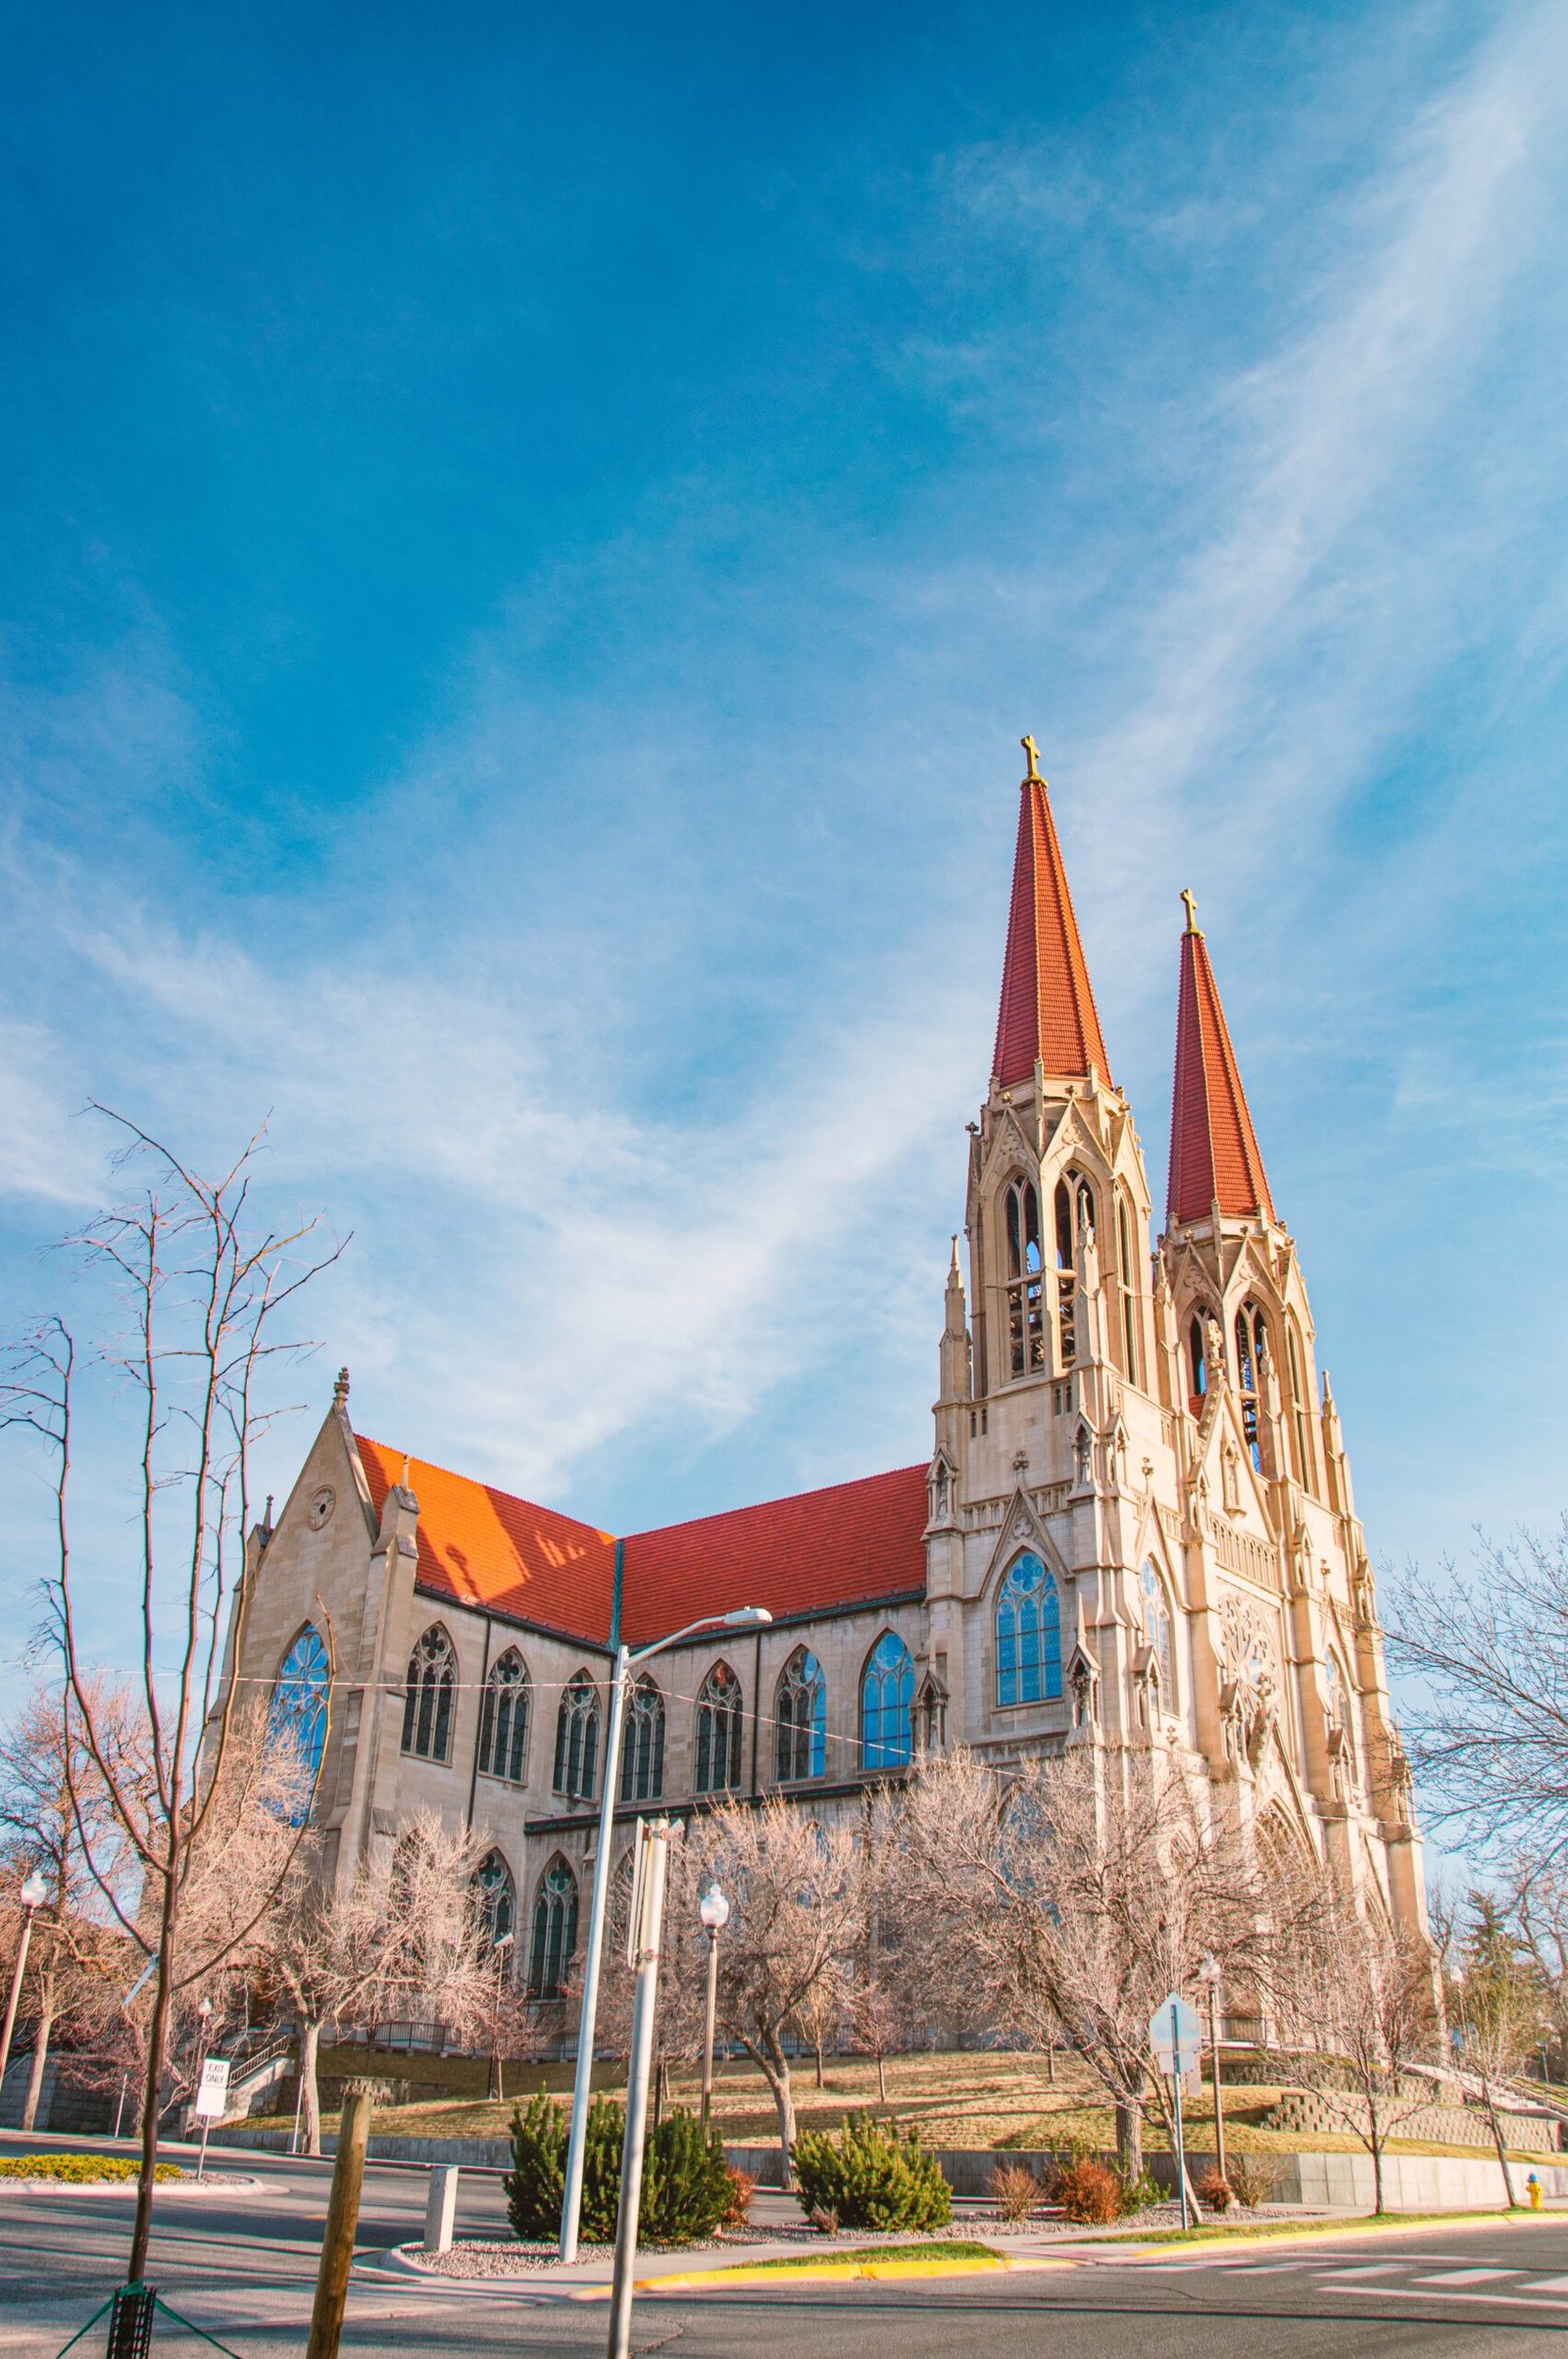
point(40, 2048)
point(1497, 2139)
point(775, 2067)
point(1051, 2064)
point(141, 2234)
point(881, 2079)
point(310, 2041)
point(1130, 2138)
point(819, 2064)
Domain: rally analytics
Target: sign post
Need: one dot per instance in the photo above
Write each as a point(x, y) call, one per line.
point(1176, 2037)
point(212, 2100)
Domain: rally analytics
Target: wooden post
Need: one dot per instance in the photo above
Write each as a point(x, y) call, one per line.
point(342, 2221)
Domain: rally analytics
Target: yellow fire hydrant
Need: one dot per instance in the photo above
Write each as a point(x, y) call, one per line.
point(1533, 2185)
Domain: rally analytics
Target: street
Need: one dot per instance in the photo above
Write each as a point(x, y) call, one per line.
point(240, 2263)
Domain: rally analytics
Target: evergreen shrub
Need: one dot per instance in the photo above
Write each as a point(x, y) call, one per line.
point(686, 2184)
point(872, 2175)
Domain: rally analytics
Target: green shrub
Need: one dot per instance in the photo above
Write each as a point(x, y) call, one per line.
point(686, 2180)
point(686, 2185)
point(83, 2169)
point(872, 2175)
point(1138, 2194)
point(537, 2180)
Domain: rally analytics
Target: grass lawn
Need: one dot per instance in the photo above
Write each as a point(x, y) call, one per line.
point(1215, 2232)
point(984, 2098)
point(947, 2248)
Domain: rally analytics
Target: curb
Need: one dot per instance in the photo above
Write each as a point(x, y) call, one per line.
point(1442, 2223)
point(830, 2272)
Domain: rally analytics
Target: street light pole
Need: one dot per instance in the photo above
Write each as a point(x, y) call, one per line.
point(713, 1909)
point(32, 1896)
point(744, 1617)
point(1209, 1973)
point(647, 1932)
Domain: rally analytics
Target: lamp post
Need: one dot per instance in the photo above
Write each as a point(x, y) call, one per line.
point(713, 1909)
point(31, 1895)
point(1208, 1973)
point(745, 1617)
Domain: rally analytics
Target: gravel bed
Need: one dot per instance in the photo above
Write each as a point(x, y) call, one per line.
point(509, 2256)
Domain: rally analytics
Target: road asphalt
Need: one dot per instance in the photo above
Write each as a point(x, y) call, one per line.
point(241, 2264)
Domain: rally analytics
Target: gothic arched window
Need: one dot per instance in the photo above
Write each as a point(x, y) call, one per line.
point(1129, 1284)
point(504, 1720)
point(555, 1930)
point(800, 1715)
point(1196, 1358)
point(1252, 1358)
point(642, 1745)
point(1026, 1304)
point(1157, 1626)
point(496, 1896)
point(1028, 1625)
point(577, 1740)
point(427, 1698)
point(887, 1699)
point(719, 1715)
point(296, 1714)
point(1074, 1205)
point(1306, 1464)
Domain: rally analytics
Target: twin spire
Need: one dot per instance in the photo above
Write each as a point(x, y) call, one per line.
point(1047, 1012)
point(1048, 1016)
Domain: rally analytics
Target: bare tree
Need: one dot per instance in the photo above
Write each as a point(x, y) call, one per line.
point(1538, 1911)
point(405, 1937)
point(797, 1894)
point(1493, 1993)
point(881, 2023)
point(1072, 1895)
point(41, 1795)
point(187, 1299)
point(1490, 1740)
point(1357, 1995)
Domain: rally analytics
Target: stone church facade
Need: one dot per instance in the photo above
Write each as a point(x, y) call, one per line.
point(1135, 1529)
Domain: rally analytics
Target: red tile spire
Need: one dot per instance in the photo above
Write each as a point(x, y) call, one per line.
point(1048, 1008)
point(1214, 1155)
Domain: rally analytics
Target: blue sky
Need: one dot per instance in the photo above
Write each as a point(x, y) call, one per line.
point(527, 552)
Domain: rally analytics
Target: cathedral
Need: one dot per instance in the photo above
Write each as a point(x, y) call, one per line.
point(1135, 1529)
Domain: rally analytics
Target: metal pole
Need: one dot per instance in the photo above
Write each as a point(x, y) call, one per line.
point(654, 1834)
point(1181, 2149)
point(1219, 2105)
point(201, 2159)
point(708, 2031)
point(16, 1973)
point(581, 2088)
point(119, 2109)
point(342, 2221)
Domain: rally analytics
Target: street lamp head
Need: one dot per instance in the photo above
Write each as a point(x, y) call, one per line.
point(33, 1892)
point(746, 1617)
point(1209, 1968)
point(713, 1909)
point(204, 2008)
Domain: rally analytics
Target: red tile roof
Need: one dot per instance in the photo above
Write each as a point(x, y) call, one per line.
point(845, 1546)
point(1214, 1155)
point(848, 1544)
point(485, 1548)
point(1048, 1008)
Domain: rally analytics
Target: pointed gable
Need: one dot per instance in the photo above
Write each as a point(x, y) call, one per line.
point(1047, 1009)
point(1214, 1155)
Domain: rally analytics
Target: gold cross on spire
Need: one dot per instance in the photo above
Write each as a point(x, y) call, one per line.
point(1192, 913)
point(1033, 751)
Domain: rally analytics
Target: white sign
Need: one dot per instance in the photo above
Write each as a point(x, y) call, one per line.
point(1176, 2036)
point(212, 2094)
